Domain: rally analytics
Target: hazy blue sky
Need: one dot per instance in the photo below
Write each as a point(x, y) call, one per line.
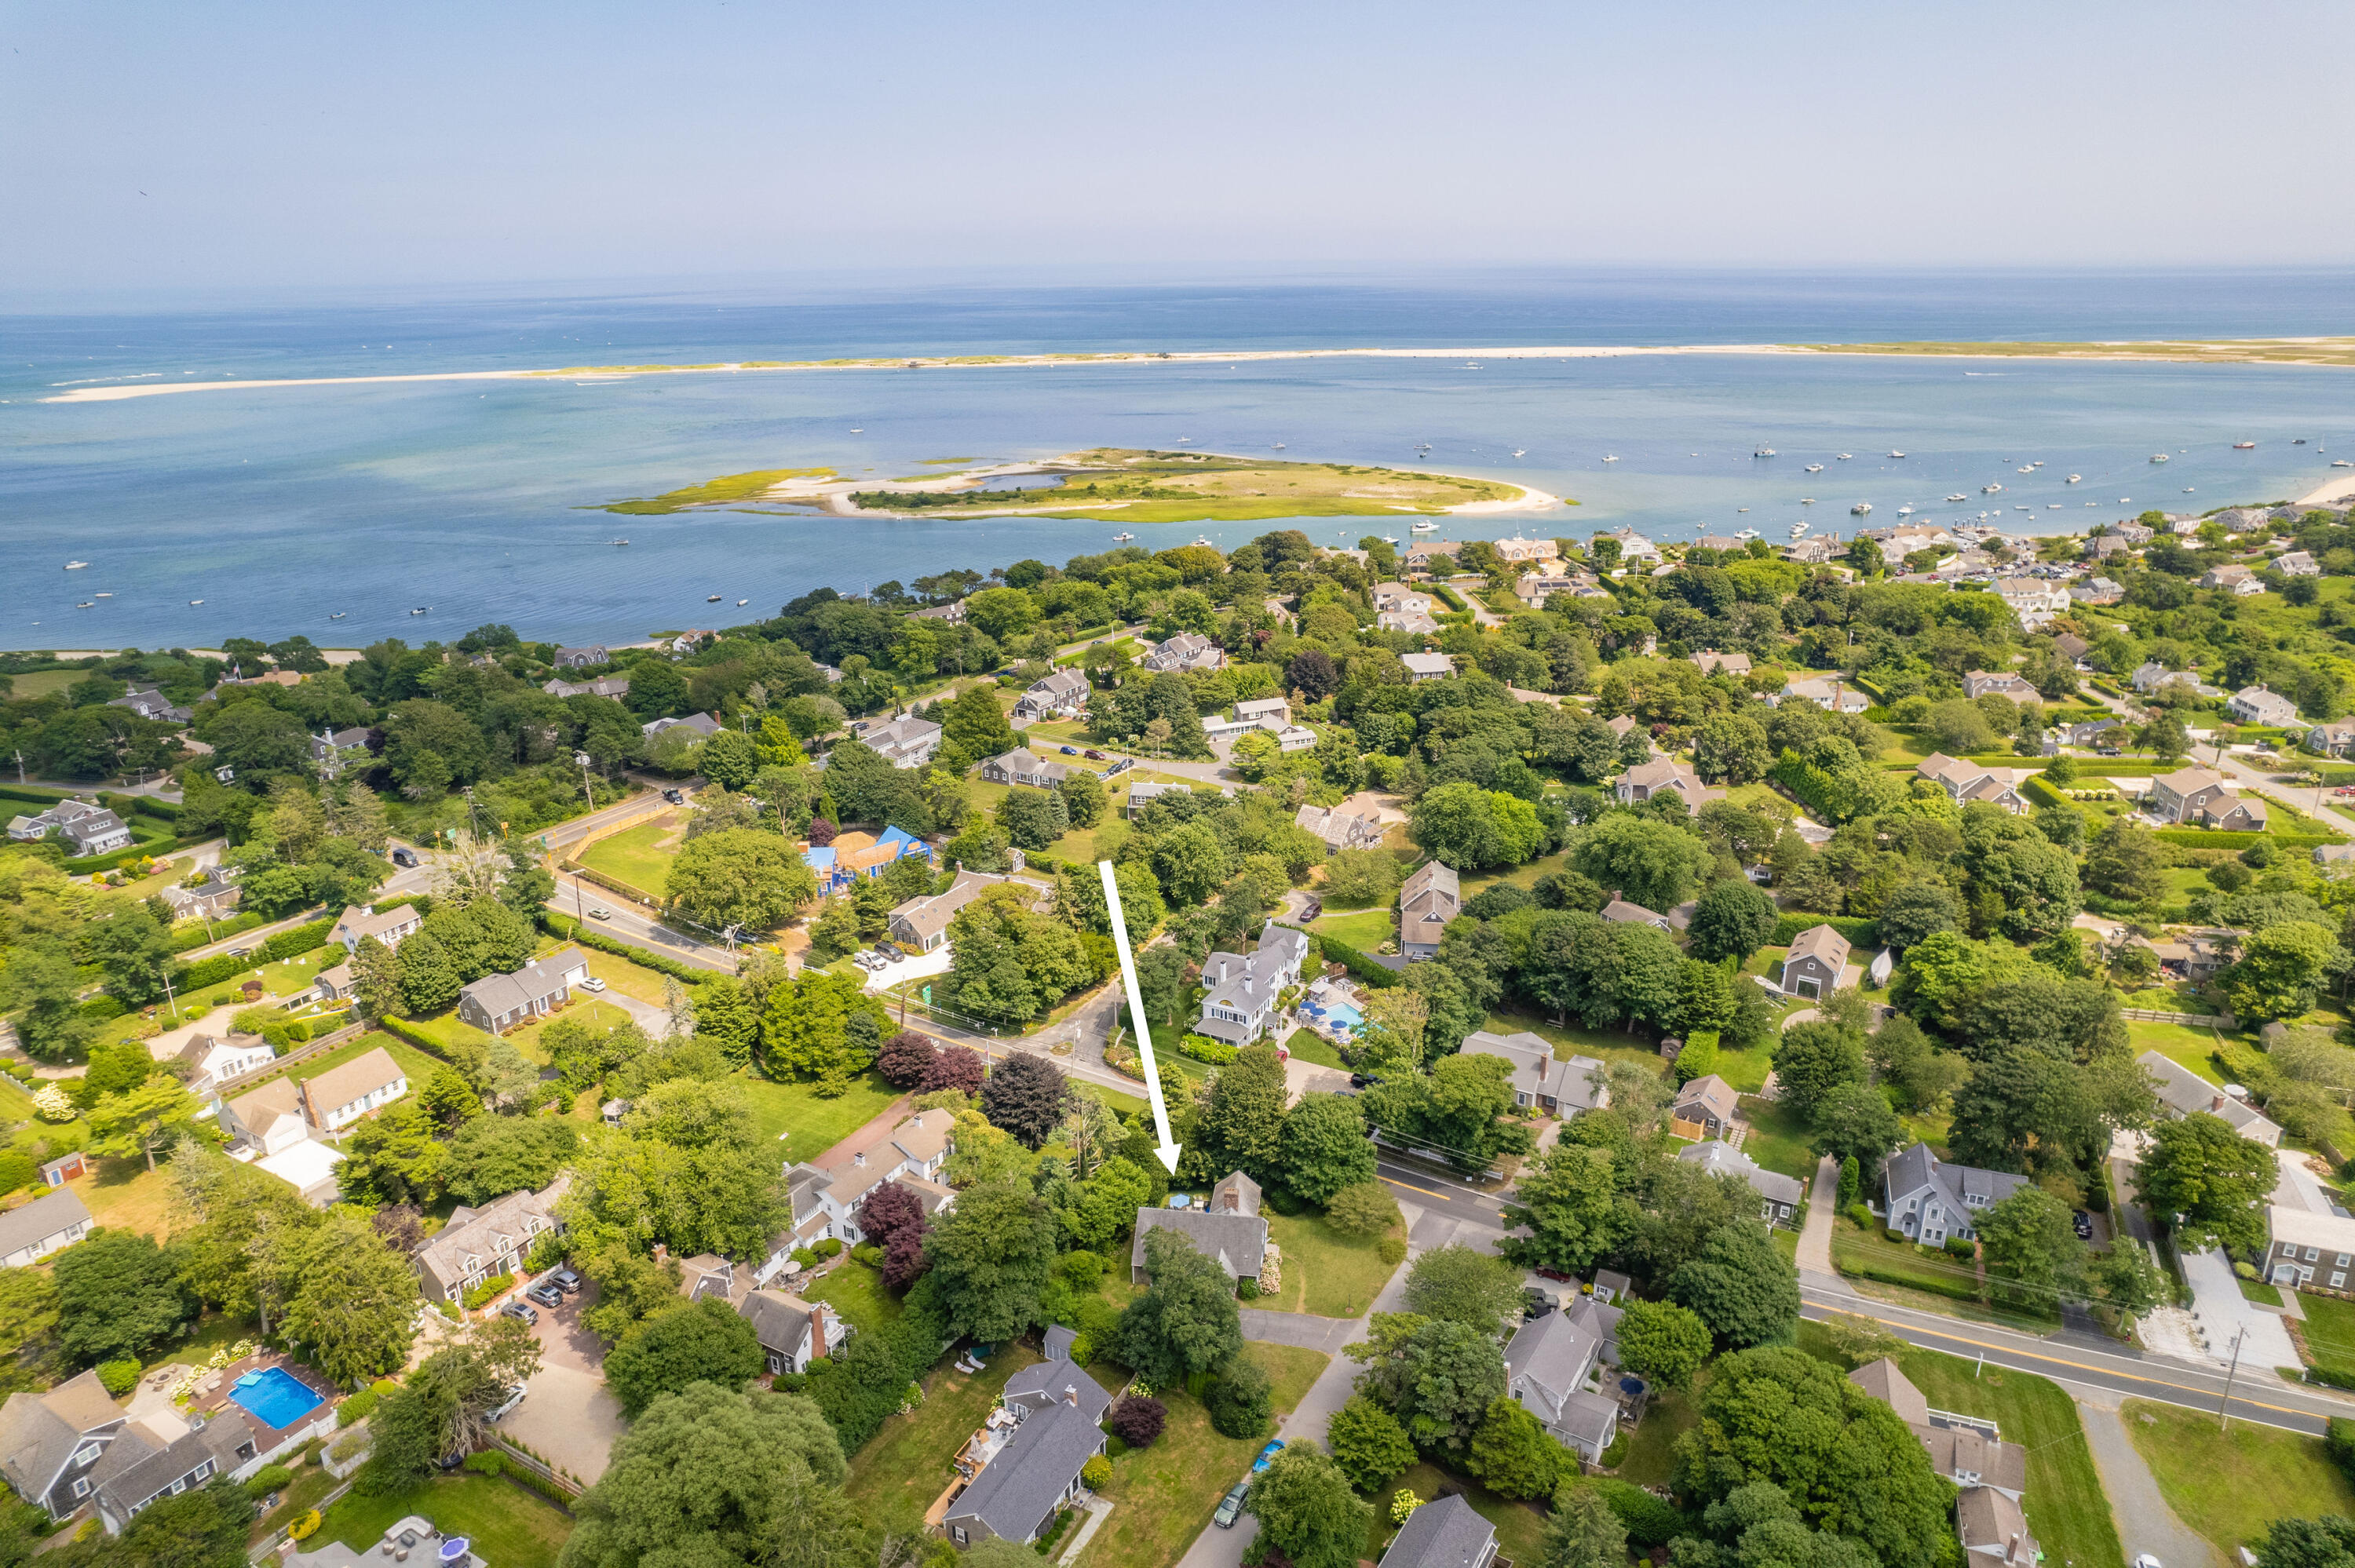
point(370, 145)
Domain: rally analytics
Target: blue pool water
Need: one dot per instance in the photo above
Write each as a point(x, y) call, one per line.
point(275, 1397)
point(1338, 1015)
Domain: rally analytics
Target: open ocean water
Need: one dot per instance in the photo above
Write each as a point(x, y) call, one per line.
point(280, 507)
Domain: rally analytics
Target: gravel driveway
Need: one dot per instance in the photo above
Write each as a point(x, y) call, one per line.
point(567, 1417)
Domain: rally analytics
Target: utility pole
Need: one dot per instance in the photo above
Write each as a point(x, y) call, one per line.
point(172, 1001)
point(582, 758)
point(2224, 1408)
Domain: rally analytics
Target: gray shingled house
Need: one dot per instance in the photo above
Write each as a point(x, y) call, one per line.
point(1228, 1227)
point(1025, 1464)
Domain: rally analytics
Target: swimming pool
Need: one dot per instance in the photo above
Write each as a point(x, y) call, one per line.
point(1338, 1016)
point(275, 1397)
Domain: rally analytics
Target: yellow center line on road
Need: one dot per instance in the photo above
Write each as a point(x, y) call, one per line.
point(2065, 1361)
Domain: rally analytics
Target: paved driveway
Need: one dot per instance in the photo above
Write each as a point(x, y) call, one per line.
point(567, 1417)
point(2225, 1311)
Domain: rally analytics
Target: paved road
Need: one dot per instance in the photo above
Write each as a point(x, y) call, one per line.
point(572, 831)
point(574, 897)
point(1439, 1195)
point(254, 937)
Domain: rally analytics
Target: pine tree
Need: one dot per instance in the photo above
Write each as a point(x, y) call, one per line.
point(429, 980)
point(376, 980)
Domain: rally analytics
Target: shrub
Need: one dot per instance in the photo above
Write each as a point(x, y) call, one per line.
point(1138, 1420)
point(1095, 1473)
point(1649, 1521)
point(490, 1289)
point(2245, 1269)
point(2331, 1377)
point(1247, 1288)
point(1202, 1048)
point(304, 1528)
point(118, 1378)
point(2340, 1444)
point(1615, 1452)
point(1960, 1248)
point(868, 1253)
point(357, 1407)
point(485, 1463)
point(804, 1257)
point(830, 1247)
point(268, 1479)
point(349, 1446)
point(1392, 1250)
point(1403, 1503)
point(1241, 1402)
point(1367, 1209)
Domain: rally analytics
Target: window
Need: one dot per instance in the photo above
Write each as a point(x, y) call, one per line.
point(82, 1487)
point(2338, 1280)
point(202, 1471)
point(86, 1453)
point(2311, 1254)
point(958, 1531)
point(2342, 1260)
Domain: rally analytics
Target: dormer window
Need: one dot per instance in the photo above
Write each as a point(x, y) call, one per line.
point(87, 1454)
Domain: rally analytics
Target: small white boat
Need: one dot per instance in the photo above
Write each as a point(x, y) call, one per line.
point(1806, 501)
point(1277, 448)
point(2342, 462)
point(1519, 451)
point(2023, 509)
point(2052, 506)
point(2037, 463)
point(1958, 496)
point(1747, 533)
point(617, 542)
point(1422, 527)
point(102, 595)
point(2299, 441)
point(743, 602)
point(1608, 458)
point(2074, 478)
point(337, 616)
point(1121, 538)
point(1737, 509)
point(2187, 490)
point(1204, 539)
point(2246, 446)
point(1859, 509)
point(858, 430)
point(76, 566)
point(711, 598)
point(1905, 512)
point(1797, 529)
point(420, 610)
point(1895, 454)
point(83, 605)
point(1814, 468)
point(1764, 451)
point(195, 601)
point(1989, 488)
point(2028, 468)
point(1843, 457)
point(2159, 457)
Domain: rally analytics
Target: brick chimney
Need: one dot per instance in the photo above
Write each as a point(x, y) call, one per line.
point(662, 1255)
point(817, 1330)
point(1071, 1395)
point(2011, 1550)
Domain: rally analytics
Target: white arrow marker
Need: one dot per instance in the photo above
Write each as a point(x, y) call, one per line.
point(1168, 1150)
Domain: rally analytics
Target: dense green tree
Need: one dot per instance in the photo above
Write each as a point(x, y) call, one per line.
point(2208, 1182)
point(141, 1119)
point(1369, 1444)
point(354, 1311)
point(2033, 1253)
point(1186, 1321)
point(1732, 919)
point(1647, 860)
point(2327, 1541)
point(119, 1297)
point(1918, 909)
point(990, 1256)
point(740, 877)
point(393, 1157)
point(1515, 1456)
point(205, 1527)
point(710, 1478)
point(1662, 1342)
point(429, 982)
point(1028, 1097)
point(135, 949)
point(1241, 1401)
point(2125, 861)
point(1242, 1125)
point(1815, 1057)
point(1007, 963)
point(807, 1029)
point(1567, 1198)
point(1471, 829)
point(1457, 1283)
point(701, 1342)
point(1439, 1378)
point(975, 726)
point(1846, 1460)
point(1740, 1287)
point(1854, 1122)
point(1583, 1531)
point(730, 759)
point(1034, 819)
point(2280, 969)
point(1306, 1509)
point(1324, 1149)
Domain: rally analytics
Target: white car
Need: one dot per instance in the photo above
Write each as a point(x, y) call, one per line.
point(593, 984)
point(515, 1397)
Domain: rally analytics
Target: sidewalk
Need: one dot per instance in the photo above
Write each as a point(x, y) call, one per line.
point(1816, 1235)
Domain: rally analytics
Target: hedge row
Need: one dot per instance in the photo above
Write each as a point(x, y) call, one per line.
point(565, 927)
point(196, 935)
point(410, 1034)
point(1860, 933)
point(1886, 1273)
point(2216, 838)
point(1360, 968)
point(289, 944)
point(609, 883)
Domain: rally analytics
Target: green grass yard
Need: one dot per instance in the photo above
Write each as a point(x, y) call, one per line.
point(2329, 1328)
point(2178, 1042)
point(1521, 1525)
point(1777, 1138)
point(1366, 931)
point(908, 1464)
point(2230, 1486)
point(1325, 1272)
point(413, 1061)
point(631, 855)
point(510, 1527)
point(1162, 1495)
point(1608, 1044)
point(809, 1125)
point(856, 1292)
point(1651, 1447)
point(2065, 1502)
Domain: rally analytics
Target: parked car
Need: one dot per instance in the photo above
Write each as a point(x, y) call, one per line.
point(241, 952)
point(2083, 1223)
point(593, 984)
point(885, 954)
point(1266, 1455)
point(1312, 910)
point(599, 912)
point(519, 1309)
point(1537, 1303)
point(1092, 755)
point(546, 1295)
point(564, 1279)
point(1230, 1507)
point(1361, 1080)
point(1070, 751)
point(402, 855)
point(506, 1406)
point(675, 797)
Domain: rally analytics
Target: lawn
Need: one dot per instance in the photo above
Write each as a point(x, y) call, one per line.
point(1366, 932)
point(1325, 1272)
point(1309, 1047)
point(629, 978)
point(125, 1195)
point(1568, 1041)
point(2230, 1486)
point(451, 1033)
point(2255, 1290)
point(908, 1464)
point(413, 1061)
point(1520, 1527)
point(281, 979)
point(2178, 1042)
point(1163, 1495)
point(631, 855)
point(1651, 1447)
point(2066, 1504)
point(856, 1292)
point(2329, 1327)
point(510, 1527)
point(1777, 1138)
point(809, 1125)
point(604, 1016)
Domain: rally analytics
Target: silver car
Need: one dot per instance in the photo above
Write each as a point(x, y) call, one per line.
point(1230, 1507)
